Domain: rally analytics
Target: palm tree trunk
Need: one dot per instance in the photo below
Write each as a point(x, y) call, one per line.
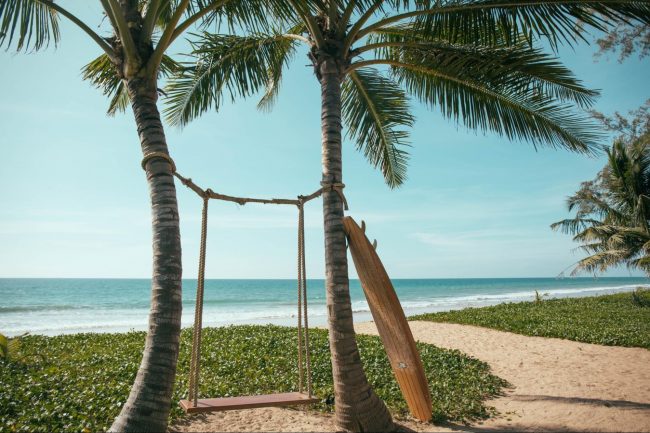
point(147, 408)
point(357, 406)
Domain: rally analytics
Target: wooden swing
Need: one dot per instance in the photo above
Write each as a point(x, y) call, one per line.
point(304, 396)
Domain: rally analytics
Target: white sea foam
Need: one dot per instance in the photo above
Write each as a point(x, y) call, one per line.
point(55, 321)
point(455, 302)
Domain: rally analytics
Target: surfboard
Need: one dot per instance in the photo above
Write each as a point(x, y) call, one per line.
point(391, 322)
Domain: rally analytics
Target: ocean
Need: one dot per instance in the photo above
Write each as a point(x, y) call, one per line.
point(63, 306)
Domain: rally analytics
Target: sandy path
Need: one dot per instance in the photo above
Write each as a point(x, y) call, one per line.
point(558, 385)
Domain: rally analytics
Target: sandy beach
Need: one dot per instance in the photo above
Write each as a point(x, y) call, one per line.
point(557, 385)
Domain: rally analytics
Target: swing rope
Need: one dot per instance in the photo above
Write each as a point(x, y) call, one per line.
point(300, 291)
point(198, 311)
point(302, 277)
point(303, 323)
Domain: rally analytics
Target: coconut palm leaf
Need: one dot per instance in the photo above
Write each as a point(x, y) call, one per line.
point(573, 225)
point(236, 65)
point(276, 68)
point(516, 66)
point(598, 262)
point(32, 22)
point(515, 91)
point(559, 22)
point(250, 14)
point(477, 104)
point(642, 263)
point(102, 74)
point(376, 113)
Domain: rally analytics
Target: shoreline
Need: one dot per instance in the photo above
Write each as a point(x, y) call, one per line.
point(318, 316)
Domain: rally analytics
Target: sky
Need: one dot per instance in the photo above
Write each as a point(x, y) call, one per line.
point(74, 201)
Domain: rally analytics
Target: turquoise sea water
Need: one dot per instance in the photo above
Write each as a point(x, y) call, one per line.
point(58, 306)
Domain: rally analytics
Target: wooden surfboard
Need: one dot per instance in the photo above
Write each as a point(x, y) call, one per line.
point(391, 322)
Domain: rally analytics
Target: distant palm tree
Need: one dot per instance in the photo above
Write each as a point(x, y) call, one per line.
point(474, 60)
point(613, 211)
point(132, 61)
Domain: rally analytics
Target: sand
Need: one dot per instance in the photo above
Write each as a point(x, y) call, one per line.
point(557, 385)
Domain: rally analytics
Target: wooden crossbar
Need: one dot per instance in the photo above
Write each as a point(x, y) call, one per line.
point(247, 402)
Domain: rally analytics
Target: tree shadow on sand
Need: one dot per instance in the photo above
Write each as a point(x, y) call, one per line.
point(619, 404)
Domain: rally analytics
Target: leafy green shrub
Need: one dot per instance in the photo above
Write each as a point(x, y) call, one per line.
point(87, 377)
point(612, 320)
point(639, 299)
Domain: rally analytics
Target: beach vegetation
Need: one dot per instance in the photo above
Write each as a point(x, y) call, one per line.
point(539, 297)
point(621, 319)
point(612, 212)
point(478, 62)
point(86, 377)
point(639, 299)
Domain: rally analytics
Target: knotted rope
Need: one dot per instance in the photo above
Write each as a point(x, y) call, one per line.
point(303, 327)
point(195, 364)
point(300, 290)
point(335, 186)
point(303, 277)
point(151, 155)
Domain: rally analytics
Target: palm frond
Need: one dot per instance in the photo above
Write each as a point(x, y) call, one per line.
point(517, 67)
point(102, 74)
point(600, 232)
point(226, 64)
point(641, 263)
point(27, 24)
point(166, 11)
point(514, 113)
point(254, 15)
point(559, 22)
point(376, 114)
point(598, 262)
point(573, 225)
point(283, 56)
point(589, 248)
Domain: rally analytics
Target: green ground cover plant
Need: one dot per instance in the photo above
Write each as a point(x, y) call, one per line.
point(83, 379)
point(621, 319)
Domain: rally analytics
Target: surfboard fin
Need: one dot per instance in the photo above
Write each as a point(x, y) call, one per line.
point(374, 244)
point(363, 226)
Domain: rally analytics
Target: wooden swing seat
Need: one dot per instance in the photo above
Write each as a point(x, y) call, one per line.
point(247, 402)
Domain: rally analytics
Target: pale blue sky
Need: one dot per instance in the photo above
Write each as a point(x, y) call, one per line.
point(75, 202)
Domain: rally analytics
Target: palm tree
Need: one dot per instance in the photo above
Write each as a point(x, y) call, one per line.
point(132, 61)
point(612, 220)
point(474, 60)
